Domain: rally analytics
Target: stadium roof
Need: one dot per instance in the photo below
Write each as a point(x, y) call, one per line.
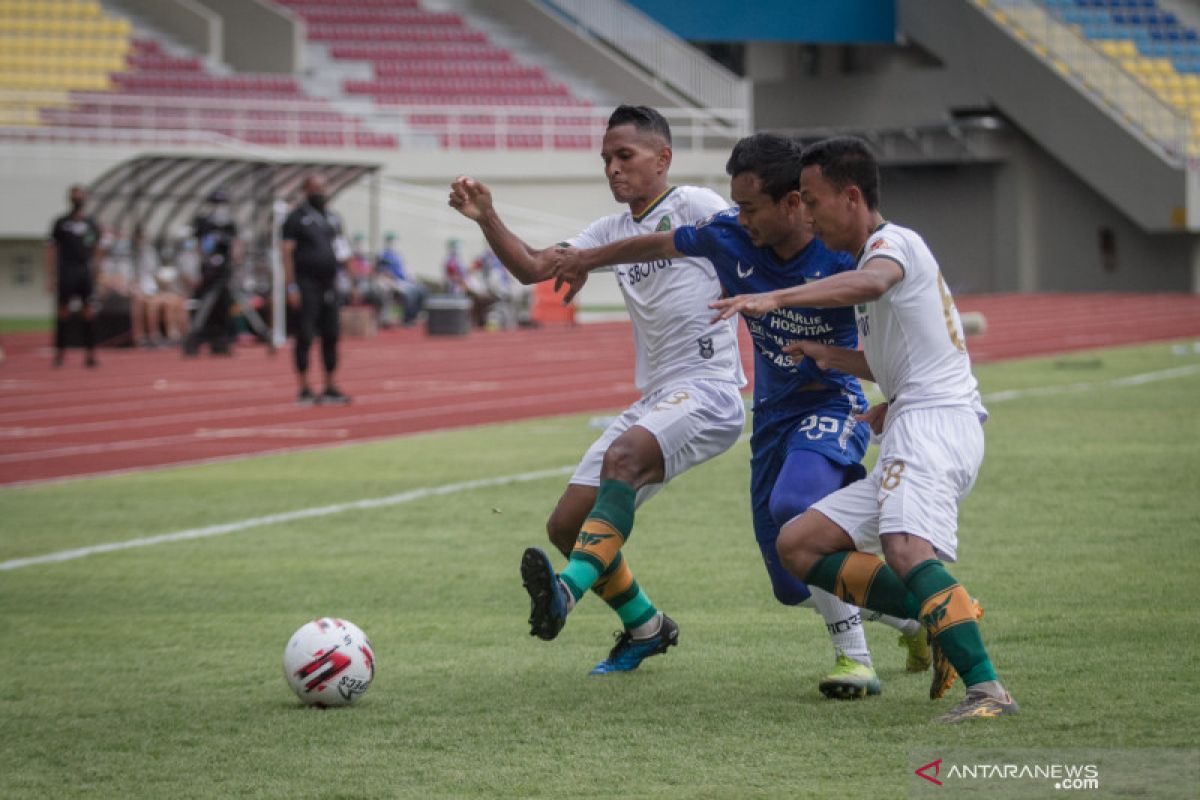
point(163, 193)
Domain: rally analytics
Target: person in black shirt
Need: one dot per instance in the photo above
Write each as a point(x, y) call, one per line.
point(217, 238)
point(72, 257)
point(313, 250)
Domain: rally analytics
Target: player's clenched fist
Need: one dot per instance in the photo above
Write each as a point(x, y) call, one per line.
point(470, 197)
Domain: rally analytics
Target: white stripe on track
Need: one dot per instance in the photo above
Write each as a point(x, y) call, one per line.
point(453, 488)
point(285, 516)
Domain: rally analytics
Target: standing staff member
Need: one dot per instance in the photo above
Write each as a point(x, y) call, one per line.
point(72, 256)
point(220, 248)
point(313, 250)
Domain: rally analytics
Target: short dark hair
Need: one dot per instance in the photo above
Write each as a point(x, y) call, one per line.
point(644, 118)
point(846, 160)
point(773, 158)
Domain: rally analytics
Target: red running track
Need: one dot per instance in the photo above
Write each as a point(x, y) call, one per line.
point(143, 409)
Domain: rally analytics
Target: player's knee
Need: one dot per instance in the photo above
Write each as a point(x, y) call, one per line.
point(788, 589)
point(626, 462)
point(796, 550)
point(561, 532)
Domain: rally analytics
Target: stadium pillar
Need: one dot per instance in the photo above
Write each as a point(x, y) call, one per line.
point(278, 287)
point(373, 212)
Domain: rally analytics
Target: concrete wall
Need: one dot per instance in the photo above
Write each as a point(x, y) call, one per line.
point(1070, 216)
point(186, 20)
point(858, 86)
point(22, 279)
point(954, 208)
point(259, 37)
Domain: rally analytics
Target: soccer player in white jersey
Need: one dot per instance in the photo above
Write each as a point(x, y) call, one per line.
point(688, 371)
point(931, 426)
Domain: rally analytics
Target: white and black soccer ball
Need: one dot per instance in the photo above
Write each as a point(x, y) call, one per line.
point(329, 662)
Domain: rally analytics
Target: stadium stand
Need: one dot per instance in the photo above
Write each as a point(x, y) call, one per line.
point(421, 59)
point(1147, 42)
point(72, 64)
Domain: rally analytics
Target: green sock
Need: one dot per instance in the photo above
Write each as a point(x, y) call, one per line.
point(865, 581)
point(949, 615)
point(604, 533)
point(624, 595)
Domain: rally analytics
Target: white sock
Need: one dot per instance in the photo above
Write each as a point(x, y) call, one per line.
point(844, 623)
point(570, 597)
point(647, 628)
point(906, 626)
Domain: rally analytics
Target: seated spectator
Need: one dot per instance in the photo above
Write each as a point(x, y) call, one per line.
point(187, 263)
point(358, 272)
point(472, 283)
point(161, 306)
point(395, 285)
point(453, 269)
point(117, 291)
point(509, 299)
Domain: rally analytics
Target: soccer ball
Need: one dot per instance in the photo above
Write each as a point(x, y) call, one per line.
point(329, 662)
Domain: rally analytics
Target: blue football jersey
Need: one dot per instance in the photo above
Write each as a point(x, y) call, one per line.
point(745, 269)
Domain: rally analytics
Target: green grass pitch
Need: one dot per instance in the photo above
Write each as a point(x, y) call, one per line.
point(155, 672)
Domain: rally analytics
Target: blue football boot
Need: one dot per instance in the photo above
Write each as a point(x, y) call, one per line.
point(547, 595)
point(629, 653)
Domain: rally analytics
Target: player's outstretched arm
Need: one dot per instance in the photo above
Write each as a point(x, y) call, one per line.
point(865, 284)
point(572, 265)
point(473, 200)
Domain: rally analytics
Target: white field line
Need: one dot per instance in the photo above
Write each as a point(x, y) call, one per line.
point(285, 516)
point(453, 488)
point(1114, 383)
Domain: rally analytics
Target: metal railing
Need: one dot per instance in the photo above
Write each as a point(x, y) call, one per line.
point(667, 59)
point(1096, 75)
point(355, 125)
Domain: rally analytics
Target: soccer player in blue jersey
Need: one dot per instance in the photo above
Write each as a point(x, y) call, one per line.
point(807, 440)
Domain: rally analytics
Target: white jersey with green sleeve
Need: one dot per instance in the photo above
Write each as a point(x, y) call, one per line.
point(668, 299)
point(912, 336)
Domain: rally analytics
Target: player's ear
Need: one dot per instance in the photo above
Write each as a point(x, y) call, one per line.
point(664, 158)
point(791, 202)
point(854, 195)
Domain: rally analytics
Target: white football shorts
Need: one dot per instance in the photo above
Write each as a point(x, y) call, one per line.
point(693, 421)
point(928, 461)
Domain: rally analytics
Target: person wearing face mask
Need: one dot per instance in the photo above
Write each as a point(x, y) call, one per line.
point(219, 249)
point(313, 250)
point(72, 258)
